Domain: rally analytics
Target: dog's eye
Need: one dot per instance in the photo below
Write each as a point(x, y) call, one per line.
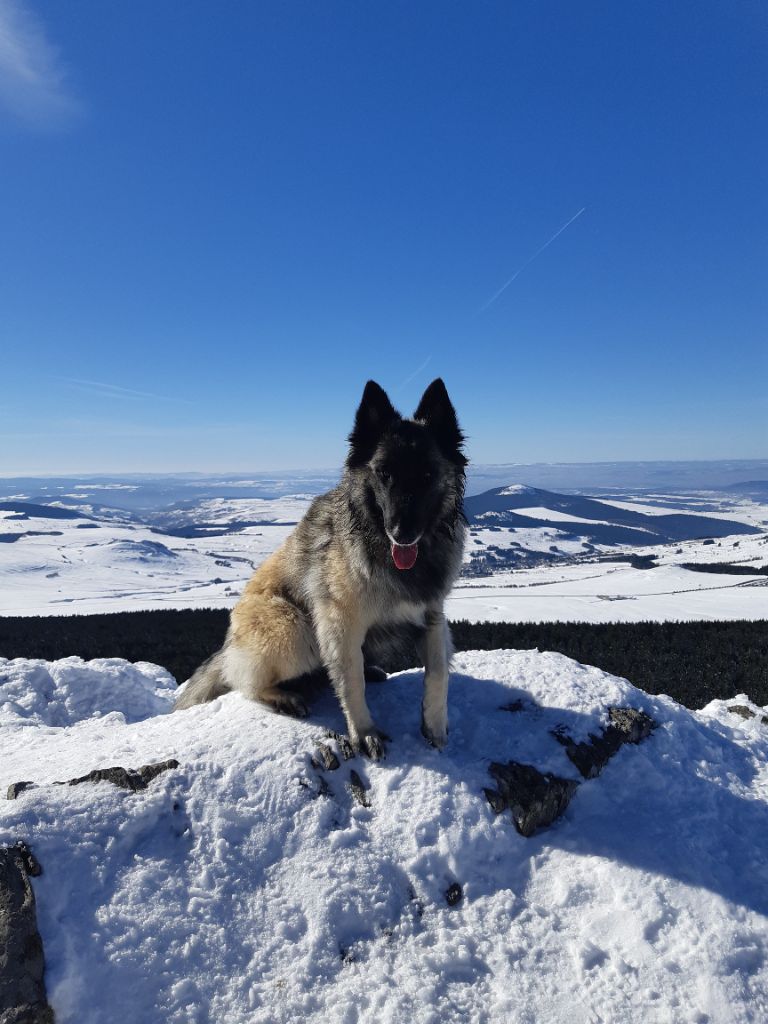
point(383, 474)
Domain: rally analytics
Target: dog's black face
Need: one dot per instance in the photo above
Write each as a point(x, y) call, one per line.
point(412, 469)
point(408, 482)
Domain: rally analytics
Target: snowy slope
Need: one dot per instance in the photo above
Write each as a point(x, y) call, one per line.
point(609, 592)
point(611, 521)
point(62, 561)
point(78, 565)
point(248, 886)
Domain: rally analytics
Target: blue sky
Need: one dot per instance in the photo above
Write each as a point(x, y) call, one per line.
point(219, 219)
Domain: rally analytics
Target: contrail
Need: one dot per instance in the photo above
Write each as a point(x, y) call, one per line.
point(115, 391)
point(528, 262)
point(415, 373)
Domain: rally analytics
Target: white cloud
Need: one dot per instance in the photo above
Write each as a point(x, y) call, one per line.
point(33, 83)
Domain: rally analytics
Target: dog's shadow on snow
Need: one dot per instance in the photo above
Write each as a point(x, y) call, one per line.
point(669, 805)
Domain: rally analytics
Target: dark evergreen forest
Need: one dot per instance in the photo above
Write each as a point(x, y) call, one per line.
point(693, 662)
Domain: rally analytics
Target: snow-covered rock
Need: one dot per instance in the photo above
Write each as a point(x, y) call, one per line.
point(250, 885)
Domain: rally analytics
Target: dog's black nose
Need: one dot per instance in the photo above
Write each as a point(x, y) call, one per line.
point(405, 534)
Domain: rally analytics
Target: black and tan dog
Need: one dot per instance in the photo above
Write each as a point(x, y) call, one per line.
point(374, 556)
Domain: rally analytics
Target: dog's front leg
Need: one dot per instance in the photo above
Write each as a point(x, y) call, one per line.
point(341, 649)
point(436, 650)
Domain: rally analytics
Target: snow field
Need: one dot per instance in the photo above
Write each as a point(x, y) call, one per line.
point(73, 567)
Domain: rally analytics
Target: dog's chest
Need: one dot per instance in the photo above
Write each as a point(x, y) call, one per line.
point(382, 607)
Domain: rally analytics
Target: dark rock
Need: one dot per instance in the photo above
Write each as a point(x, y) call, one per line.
point(534, 799)
point(635, 725)
point(125, 778)
point(18, 787)
point(324, 758)
point(358, 789)
point(741, 710)
point(453, 894)
point(627, 725)
point(148, 772)
point(591, 757)
point(744, 712)
point(23, 998)
point(496, 800)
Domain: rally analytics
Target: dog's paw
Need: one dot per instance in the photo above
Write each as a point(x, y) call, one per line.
point(289, 704)
point(372, 744)
point(435, 732)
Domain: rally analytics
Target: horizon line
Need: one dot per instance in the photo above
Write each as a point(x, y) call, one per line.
point(321, 470)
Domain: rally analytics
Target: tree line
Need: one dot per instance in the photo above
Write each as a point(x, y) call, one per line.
point(693, 662)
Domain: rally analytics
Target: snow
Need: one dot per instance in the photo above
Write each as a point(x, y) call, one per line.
point(102, 559)
point(745, 509)
point(232, 889)
point(65, 692)
point(555, 515)
point(530, 538)
point(517, 489)
point(609, 592)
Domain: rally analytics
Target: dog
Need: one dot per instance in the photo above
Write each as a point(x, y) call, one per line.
point(373, 558)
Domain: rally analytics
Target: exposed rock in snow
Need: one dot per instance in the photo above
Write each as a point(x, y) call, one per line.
point(743, 711)
point(126, 778)
point(627, 725)
point(535, 799)
point(23, 998)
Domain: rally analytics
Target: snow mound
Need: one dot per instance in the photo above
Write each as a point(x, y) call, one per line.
point(250, 885)
point(62, 693)
point(139, 551)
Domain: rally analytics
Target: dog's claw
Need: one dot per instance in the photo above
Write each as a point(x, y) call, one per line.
point(435, 737)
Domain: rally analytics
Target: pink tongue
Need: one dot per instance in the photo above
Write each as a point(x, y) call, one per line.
point(404, 555)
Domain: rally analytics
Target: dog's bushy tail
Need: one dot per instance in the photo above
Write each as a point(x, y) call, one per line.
point(206, 683)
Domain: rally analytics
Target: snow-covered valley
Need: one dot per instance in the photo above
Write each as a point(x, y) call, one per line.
point(532, 554)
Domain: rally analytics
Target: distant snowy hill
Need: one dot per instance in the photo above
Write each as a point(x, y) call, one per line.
point(599, 521)
point(250, 884)
point(531, 553)
point(219, 516)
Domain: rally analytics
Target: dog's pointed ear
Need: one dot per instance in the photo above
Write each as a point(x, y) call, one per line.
point(374, 414)
point(436, 411)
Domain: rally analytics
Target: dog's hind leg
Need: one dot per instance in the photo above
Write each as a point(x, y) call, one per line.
point(259, 679)
point(436, 649)
point(271, 644)
point(283, 701)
